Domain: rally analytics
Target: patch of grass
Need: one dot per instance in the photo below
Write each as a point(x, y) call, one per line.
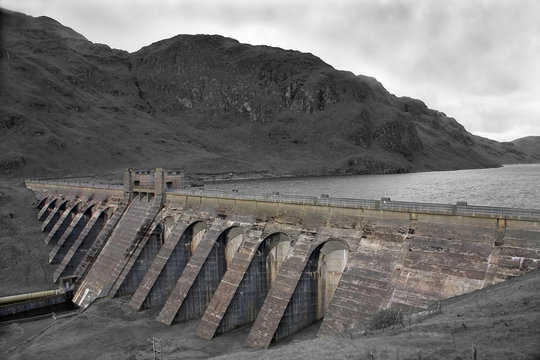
point(385, 318)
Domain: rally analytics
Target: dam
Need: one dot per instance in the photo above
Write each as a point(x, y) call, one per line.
point(275, 262)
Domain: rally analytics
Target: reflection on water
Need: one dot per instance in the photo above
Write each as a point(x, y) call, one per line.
point(515, 186)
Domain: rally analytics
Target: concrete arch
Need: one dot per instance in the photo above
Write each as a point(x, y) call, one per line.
point(144, 255)
point(256, 282)
point(315, 288)
point(215, 265)
point(234, 236)
point(160, 286)
point(63, 223)
point(42, 203)
point(71, 234)
point(198, 229)
point(168, 225)
point(333, 258)
point(54, 215)
point(277, 251)
point(46, 209)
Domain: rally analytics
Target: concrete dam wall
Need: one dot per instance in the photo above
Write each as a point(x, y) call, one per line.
point(277, 262)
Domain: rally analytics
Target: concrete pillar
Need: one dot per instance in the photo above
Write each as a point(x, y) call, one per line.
point(159, 181)
point(128, 184)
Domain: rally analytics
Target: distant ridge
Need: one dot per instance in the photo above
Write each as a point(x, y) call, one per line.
point(209, 105)
point(529, 145)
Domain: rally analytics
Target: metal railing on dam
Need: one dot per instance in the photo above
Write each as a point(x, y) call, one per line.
point(77, 184)
point(459, 209)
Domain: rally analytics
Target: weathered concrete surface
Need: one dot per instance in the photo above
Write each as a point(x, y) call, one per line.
point(140, 258)
point(46, 209)
point(95, 248)
point(114, 256)
point(394, 255)
point(70, 234)
point(160, 262)
point(52, 218)
point(62, 224)
point(84, 241)
point(190, 273)
point(276, 302)
point(367, 280)
point(227, 288)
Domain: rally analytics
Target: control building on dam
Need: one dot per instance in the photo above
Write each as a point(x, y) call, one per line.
point(276, 262)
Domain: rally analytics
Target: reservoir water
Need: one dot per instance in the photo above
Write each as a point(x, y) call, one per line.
point(516, 186)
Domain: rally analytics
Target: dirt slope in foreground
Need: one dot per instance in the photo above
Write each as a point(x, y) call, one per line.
point(502, 321)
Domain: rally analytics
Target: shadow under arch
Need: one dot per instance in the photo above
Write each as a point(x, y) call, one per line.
point(175, 264)
point(63, 222)
point(256, 283)
point(315, 288)
point(211, 273)
point(85, 242)
point(67, 240)
point(47, 209)
point(42, 203)
point(152, 243)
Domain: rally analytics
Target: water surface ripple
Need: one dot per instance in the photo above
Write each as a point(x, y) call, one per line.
point(516, 186)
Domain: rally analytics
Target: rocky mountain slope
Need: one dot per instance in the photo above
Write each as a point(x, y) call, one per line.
point(209, 104)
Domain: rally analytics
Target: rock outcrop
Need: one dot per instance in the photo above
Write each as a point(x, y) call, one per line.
point(209, 104)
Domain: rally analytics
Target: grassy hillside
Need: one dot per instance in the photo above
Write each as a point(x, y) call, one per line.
point(209, 104)
point(529, 144)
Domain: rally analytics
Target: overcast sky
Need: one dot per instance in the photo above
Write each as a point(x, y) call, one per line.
point(475, 60)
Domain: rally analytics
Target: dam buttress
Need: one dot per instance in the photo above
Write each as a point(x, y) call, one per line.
point(277, 262)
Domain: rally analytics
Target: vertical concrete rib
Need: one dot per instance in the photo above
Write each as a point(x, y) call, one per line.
point(67, 260)
point(190, 273)
point(228, 285)
point(160, 261)
point(276, 302)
